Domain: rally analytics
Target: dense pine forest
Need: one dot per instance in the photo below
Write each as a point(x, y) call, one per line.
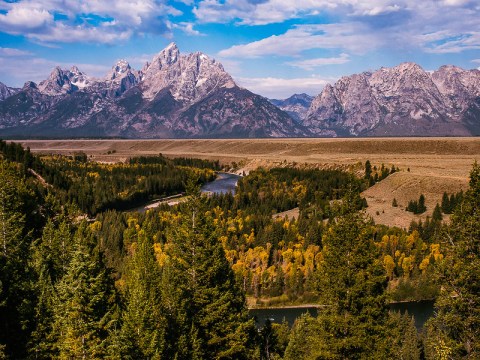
point(80, 277)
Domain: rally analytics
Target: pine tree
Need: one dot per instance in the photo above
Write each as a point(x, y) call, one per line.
point(86, 300)
point(351, 283)
point(437, 213)
point(417, 207)
point(454, 331)
point(306, 340)
point(268, 341)
point(403, 337)
point(42, 342)
point(452, 203)
point(421, 204)
point(368, 169)
point(412, 206)
point(446, 207)
point(211, 318)
point(144, 322)
point(51, 255)
point(16, 296)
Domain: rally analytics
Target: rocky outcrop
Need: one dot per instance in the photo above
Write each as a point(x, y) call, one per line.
point(6, 91)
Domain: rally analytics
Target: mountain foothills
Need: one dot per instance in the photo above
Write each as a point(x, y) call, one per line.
point(192, 96)
point(174, 95)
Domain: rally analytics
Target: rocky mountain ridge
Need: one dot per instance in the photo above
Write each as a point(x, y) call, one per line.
point(192, 96)
point(296, 105)
point(404, 100)
point(174, 95)
point(6, 91)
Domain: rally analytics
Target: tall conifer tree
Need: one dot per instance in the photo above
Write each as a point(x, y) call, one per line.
point(144, 322)
point(211, 316)
point(86, 302)
point(455, 330)
point(51, 256)
point(16, 297)
point(351, 285)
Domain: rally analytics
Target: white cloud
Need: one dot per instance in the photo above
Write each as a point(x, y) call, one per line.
point(230, 65)
point(352, 37)
point(65, 33)
point(431, 26)
point(274, 11)
point(280, 88)
point(444, 42)
point(86, 20)
point(378, 10)
point(456, 2)
point(187, 28)
point(13, 52)
point(310, 64)
point(257, 12)
point(20, 18)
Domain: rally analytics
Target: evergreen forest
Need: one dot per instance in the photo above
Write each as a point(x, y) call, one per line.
point(83, 275)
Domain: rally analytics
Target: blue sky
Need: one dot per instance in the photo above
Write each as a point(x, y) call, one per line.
point(272, 47)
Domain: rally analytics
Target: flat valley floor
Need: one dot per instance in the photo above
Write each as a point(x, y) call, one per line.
point(428, 165)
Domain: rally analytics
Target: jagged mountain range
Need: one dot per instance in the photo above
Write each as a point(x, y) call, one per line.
point(401, 101)
point(192, 96)
point(174, 95)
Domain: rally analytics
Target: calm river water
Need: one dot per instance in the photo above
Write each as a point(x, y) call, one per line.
point(224, 183)
point(421, 310)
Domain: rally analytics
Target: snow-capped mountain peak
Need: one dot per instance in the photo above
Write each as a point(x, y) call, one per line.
point(121, 67)
point(175, 95)
point(166, 57)
point(79, 78)
point(189, 76)
point(58, 83)
point(6, 91)
point(75, 70)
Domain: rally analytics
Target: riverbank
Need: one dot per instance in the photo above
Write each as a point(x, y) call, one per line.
point(279, 307)
point(151, 204)
point(258, 304)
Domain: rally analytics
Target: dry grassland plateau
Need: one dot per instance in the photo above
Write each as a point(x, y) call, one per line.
point(428, 165)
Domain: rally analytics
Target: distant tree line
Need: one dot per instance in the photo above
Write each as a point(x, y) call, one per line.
point(449, 203)
point(178, 161)
point(374, 174)
point(417, 206)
